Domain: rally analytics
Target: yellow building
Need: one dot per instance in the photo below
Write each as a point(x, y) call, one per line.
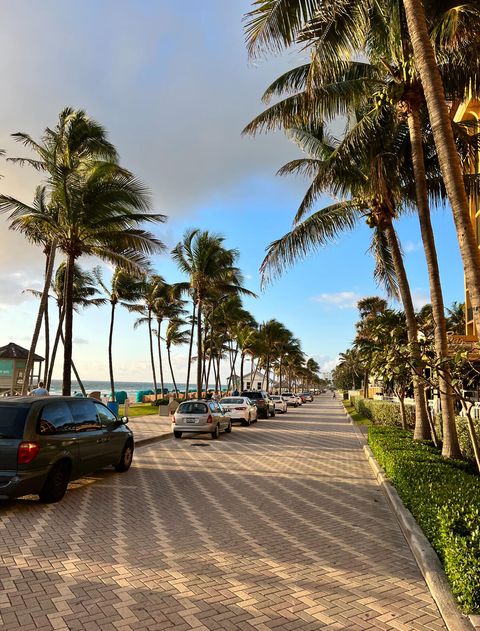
point(470, 110)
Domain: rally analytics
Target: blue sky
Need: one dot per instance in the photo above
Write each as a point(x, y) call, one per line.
point(171, 82)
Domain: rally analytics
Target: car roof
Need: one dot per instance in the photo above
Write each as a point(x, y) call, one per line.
point(197, 401)
point(28, 400)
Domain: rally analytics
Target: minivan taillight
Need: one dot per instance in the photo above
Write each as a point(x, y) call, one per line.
point(173, 419)
point(260, 400)
point(27, 452)
point(209, 419)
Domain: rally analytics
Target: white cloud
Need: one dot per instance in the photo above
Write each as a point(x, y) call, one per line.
point(410, 246)
point(420, 298)
point(340, 300)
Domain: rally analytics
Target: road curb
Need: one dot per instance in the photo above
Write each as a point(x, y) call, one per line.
point(425, 556)
point(143, 442)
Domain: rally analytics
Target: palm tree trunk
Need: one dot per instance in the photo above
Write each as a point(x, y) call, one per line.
point(75, 371)
point(267, 372)
point(41, 311)
point(152, 359)
point(199, 349)
point(403, 415)
point(192, 331)
point(47, 344)
point(242, 360)
point(171, 371)
point(61, 316)
point(450, 447)
point(160, 362)
point(365, 384)
point(422, 428)
point(110, 347)
point(448, 157)
point(67, 356)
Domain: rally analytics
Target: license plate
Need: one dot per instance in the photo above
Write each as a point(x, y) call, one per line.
point(191, 420)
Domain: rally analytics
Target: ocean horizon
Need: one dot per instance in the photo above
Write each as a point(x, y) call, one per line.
point(130, 387)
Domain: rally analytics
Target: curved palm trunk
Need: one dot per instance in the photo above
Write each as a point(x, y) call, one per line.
point(448, 157)
point(242, 361)
point(67, 356)
point(152, 359)
point(450, 447)
point(199, 349)
point(110, 347)
point(192, 331)
point(267, 372)
point(41, 311)
point(422, 428)
point(171, 371)
point(61, 316)
point(160, 362)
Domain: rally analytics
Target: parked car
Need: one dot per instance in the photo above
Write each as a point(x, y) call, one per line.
point(200, 417)
point(265, 405)
point(47, 441)
point(302, 397)
point(240, 409)
point(291, 399)
point(308, 396)
point(280, 403)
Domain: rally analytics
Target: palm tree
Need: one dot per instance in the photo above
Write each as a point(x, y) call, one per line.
point(124, 289)
point(202, 257)
point(456, 318)
point(175, 336)
point(61, 152)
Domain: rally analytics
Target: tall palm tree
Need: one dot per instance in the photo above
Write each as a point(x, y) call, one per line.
point(100, 213)
point(60, 154)
point(202, 256)
point(125, 288)
point(175, 336)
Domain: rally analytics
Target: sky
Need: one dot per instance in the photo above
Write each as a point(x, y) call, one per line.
point(172, 83)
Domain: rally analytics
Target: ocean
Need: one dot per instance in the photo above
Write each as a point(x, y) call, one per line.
point(130, 387)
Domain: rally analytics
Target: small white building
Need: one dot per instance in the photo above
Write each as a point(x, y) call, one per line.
point(257, 381)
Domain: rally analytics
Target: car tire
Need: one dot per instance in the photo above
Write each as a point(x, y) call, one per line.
point(272, 413)
point(247, 422)
point(228, 429)
point(177, 434)
point(55, 485)
point(126, 458)
point(216, 432)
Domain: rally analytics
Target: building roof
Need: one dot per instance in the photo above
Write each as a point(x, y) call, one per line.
point(14, 351)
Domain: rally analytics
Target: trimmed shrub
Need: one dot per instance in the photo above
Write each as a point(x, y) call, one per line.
point(444, 497)
point(383, 412)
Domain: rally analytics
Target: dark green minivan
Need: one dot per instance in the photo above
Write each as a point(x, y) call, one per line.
point(47, 441)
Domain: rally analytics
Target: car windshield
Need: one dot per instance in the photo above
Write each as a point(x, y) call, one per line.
point(12, 420)
point(287, 394)
point(231, 400)
point(192, 408)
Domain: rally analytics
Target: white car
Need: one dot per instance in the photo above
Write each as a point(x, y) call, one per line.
point(280, 403)
point(240, 409)
point(291, 399)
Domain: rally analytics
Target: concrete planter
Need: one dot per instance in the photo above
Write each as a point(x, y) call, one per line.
point(163, 410)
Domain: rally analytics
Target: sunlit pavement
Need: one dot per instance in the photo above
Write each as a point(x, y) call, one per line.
point(276, 526)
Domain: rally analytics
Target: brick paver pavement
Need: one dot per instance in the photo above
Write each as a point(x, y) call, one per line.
point(279, 526)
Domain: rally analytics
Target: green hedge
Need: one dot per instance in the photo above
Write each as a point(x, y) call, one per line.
point(444, 497)
point(383, 412)
point(464, 436)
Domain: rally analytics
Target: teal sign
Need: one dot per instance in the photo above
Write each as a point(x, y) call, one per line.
point(6, 367)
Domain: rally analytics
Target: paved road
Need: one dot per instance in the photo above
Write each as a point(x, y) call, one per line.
point(279, 526)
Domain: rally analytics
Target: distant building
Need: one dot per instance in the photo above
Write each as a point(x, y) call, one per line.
point(13, 359)
point(256, 381)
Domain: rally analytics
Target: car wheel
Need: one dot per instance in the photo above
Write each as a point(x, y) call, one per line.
point(272, 413)
point(55, 485)
point(228, 429)
point(216, 432)
point(125, 458)
point(177, 434)
point(246, 422)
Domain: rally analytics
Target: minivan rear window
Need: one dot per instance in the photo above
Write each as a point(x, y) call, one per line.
point(12, 420)
point(192, 408)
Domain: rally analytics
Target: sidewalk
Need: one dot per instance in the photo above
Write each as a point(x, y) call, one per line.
point(147, 429)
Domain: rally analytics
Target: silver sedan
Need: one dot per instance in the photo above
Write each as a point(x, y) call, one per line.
point(200, 417)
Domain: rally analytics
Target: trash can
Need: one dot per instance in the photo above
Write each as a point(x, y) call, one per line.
point(113, 407)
